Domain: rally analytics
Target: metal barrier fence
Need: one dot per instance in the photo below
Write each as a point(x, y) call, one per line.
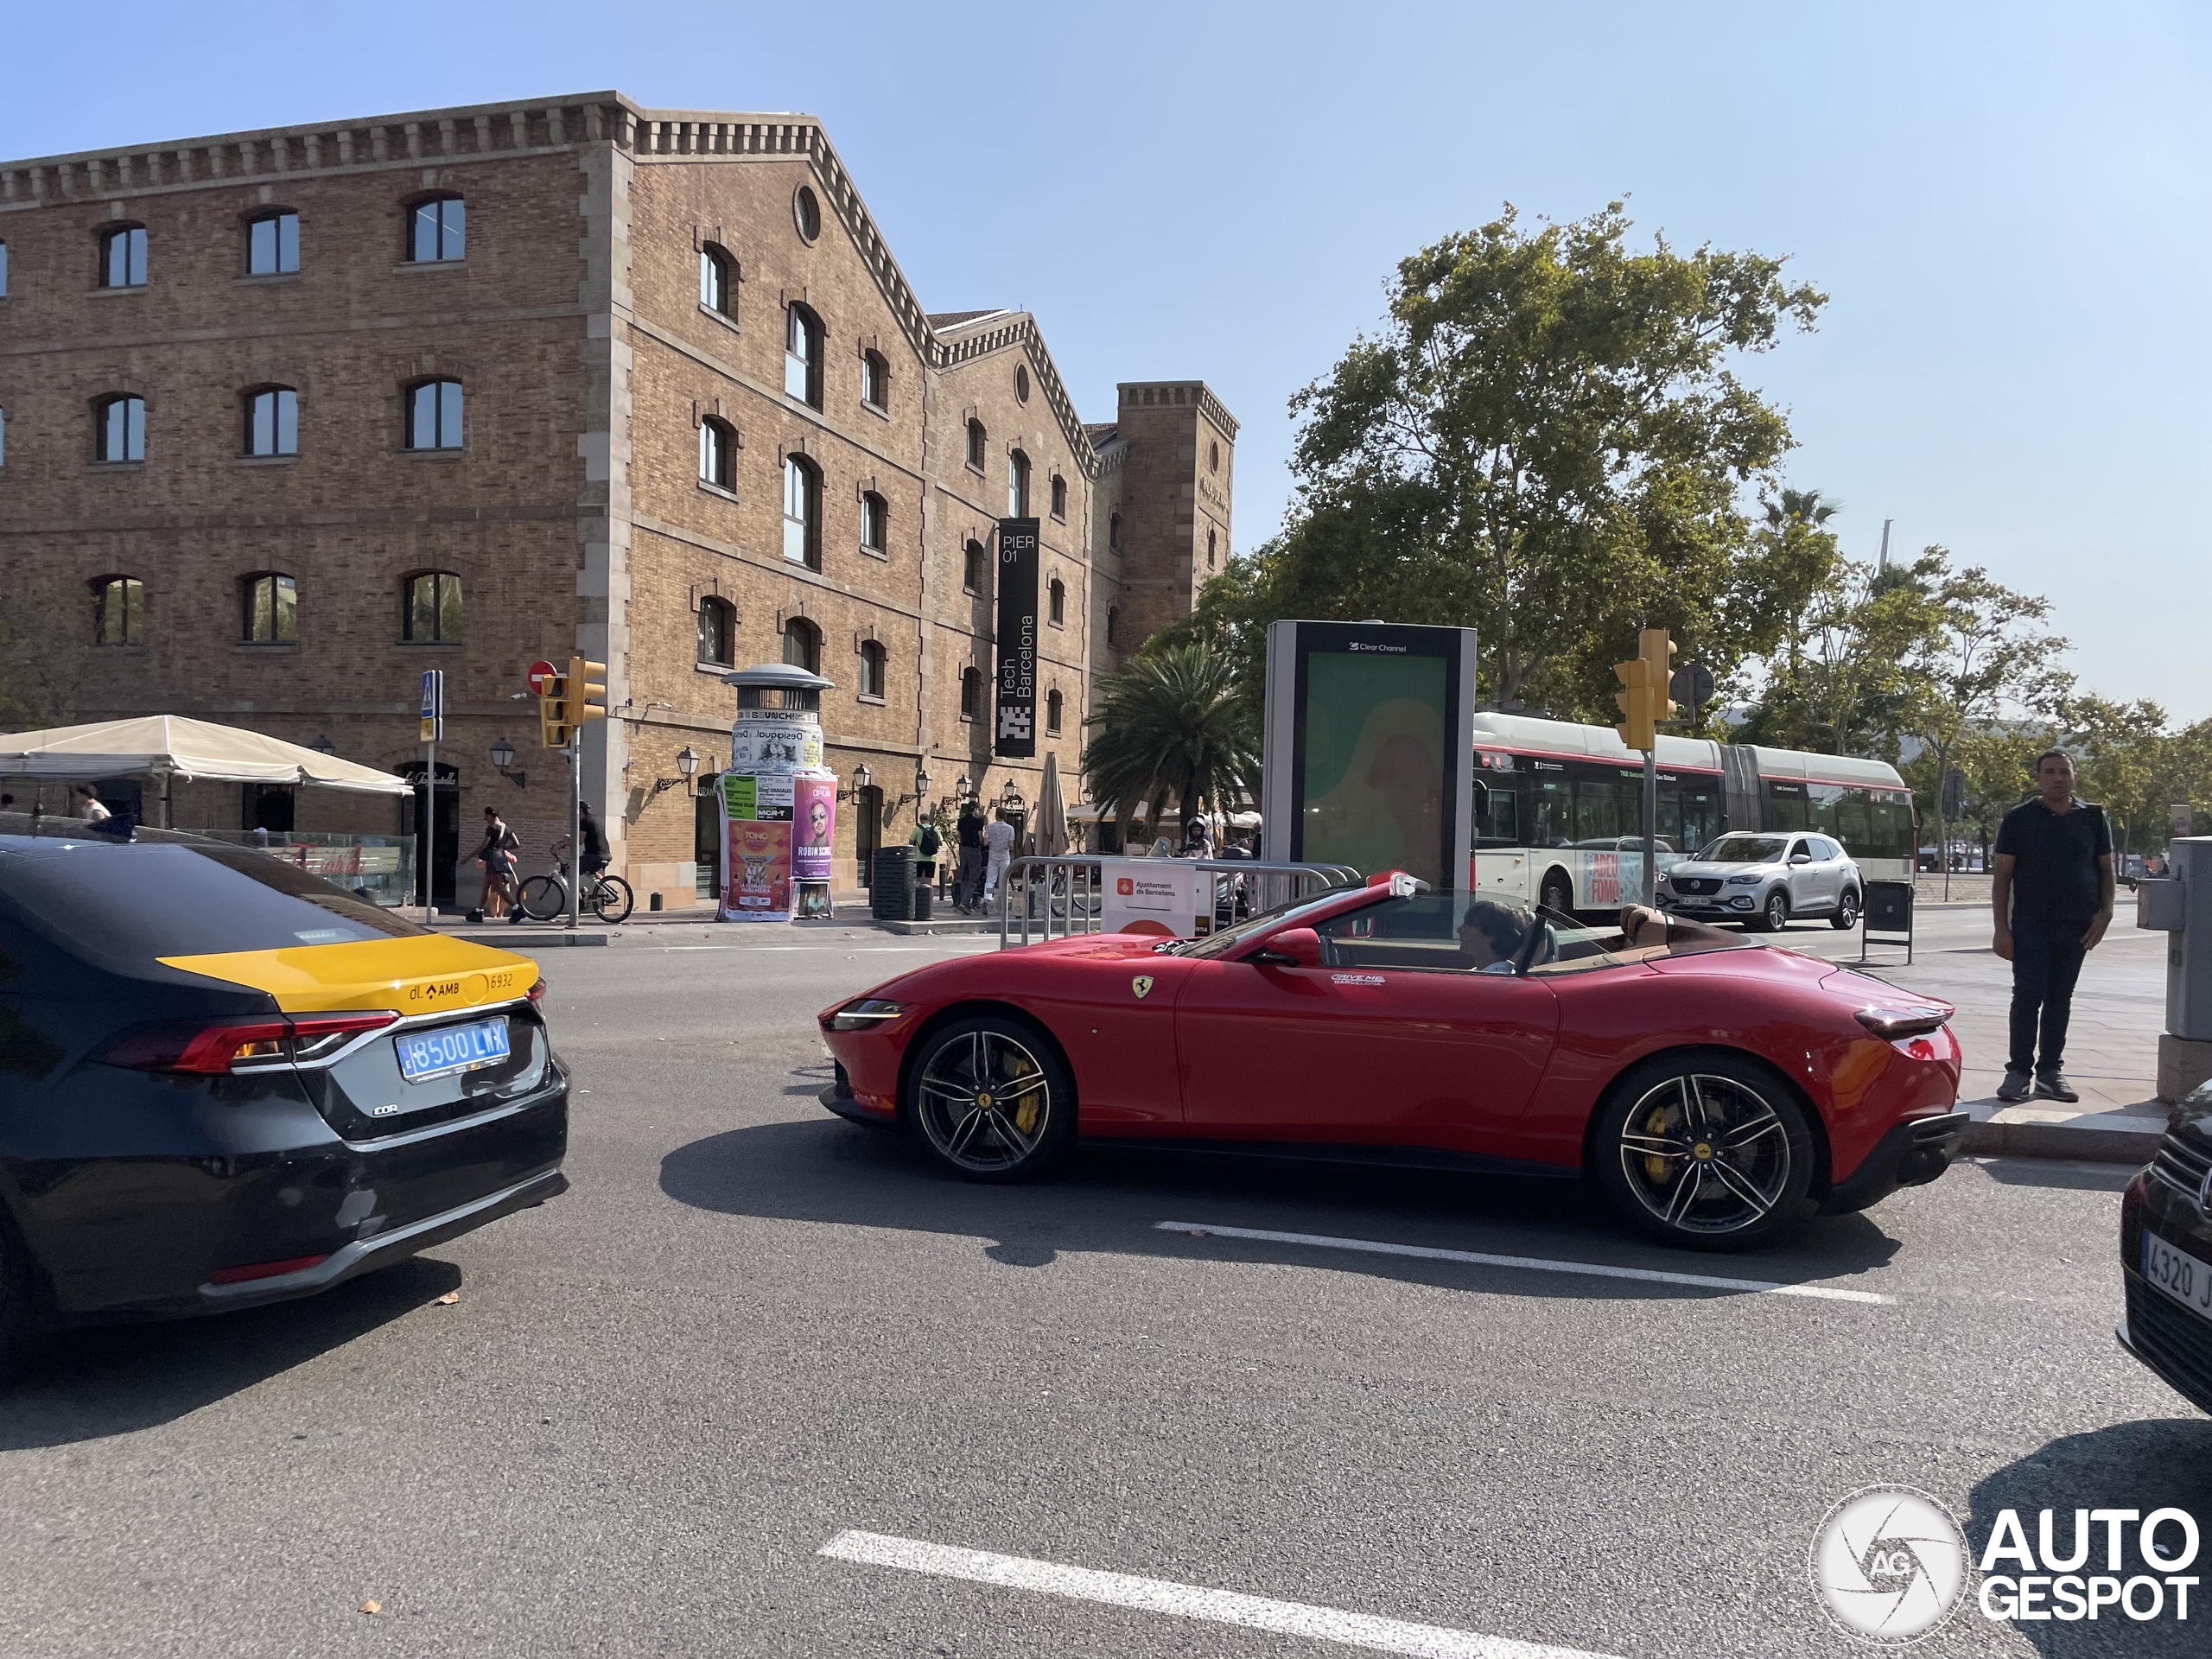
point(1064, 896)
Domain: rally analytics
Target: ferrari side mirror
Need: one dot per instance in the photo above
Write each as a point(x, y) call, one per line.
point(1293, 947)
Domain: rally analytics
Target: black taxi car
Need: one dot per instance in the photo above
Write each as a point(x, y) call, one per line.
point(2165, 1253)
point(226, 1081)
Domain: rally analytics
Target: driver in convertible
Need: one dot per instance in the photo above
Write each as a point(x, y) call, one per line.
point(1493, 933)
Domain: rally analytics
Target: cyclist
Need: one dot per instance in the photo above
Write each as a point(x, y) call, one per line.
point(594, 859)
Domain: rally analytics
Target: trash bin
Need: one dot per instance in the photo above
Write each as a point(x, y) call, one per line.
point(891, 885)
point(1889, 907)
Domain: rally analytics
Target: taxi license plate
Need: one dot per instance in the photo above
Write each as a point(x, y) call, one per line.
point(2176, 1272)
point(449, 1049)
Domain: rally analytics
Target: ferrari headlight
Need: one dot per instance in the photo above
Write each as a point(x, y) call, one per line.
point(866, 1014)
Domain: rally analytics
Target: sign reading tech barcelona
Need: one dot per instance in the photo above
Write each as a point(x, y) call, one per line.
point(1015, 734)
point(1369, 748)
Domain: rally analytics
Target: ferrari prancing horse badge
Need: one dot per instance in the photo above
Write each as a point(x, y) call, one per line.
point(1140, 985)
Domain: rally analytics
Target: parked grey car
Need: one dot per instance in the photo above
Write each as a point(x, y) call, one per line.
point(1764, 880)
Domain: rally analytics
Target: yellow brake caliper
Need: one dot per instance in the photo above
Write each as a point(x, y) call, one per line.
point(1654, 1166)
point(1025, 1115)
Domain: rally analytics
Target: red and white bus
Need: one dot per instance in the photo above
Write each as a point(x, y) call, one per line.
point(1558, 808)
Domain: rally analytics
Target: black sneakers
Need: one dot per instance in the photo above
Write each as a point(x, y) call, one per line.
point(2052, 1085)
point(2016, 1086)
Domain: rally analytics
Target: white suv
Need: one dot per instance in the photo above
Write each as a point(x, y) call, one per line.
point(1762, 880)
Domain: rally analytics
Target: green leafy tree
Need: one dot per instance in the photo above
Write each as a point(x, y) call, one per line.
point(1546, 442)
point(1846, 687)
point(1171, 724)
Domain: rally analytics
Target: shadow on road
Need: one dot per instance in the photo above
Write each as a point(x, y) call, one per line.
point(86, 1385)
point(2150, 1464)
point(1107, 1201)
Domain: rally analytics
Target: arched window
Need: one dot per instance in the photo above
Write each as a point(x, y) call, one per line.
point(872, 664)
point(118, 611)
point(976, 440)
point(434, 415)
point(802, 354)
point(971, 568)
point(717, 292)
point(875, 380)
point(1059, 497)
point(971, 693)
point(1210, 545)
point(272, 244)
point(802, 645)
point(1017, 485)
point(429, 611)
point(1053, 714)
point(436, 231)
point(717, 453)
point(272, 609)
point(802, 512)
point(1114, 532)
point(120, 429)
point(272, 421)
point(1113, 623)
point(1056, 602)
point(875, 522)
point(718, 632)
point(123, 257)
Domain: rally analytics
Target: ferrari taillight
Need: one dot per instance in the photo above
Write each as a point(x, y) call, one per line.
point(1915, 1020)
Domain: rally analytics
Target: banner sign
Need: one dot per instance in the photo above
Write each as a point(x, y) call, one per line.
point(1154, 895)
point(1016, 736)
point(814, 827)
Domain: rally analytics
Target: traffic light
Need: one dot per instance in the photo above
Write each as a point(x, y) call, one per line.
point(1658, 651)
point(552, 717)
point(1635, 703)
point(584, 693)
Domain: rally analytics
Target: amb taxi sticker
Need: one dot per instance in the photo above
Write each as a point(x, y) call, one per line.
point(1142, 985)
point(417, 974)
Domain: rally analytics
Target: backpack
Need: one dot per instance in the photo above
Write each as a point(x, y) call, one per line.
point(930, 842)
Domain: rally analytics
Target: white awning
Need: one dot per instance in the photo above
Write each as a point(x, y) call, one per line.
point(170, 746)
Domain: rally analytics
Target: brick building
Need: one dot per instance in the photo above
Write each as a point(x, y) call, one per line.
point(287, 416)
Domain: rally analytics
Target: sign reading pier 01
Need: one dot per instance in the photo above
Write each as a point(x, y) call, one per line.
point(1889, 1564)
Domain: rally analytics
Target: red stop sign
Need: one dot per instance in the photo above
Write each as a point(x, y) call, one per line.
point(542, 676)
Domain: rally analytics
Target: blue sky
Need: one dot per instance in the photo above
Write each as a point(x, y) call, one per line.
point(2006, 203)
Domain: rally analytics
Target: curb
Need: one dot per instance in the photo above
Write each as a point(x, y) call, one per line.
point(514, 938)
point(2108, 1138)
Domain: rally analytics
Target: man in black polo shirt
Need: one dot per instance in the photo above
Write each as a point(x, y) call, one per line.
point(2053, 896)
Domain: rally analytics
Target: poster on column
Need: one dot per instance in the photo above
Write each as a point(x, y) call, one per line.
point(760, 870)
point(814, 827)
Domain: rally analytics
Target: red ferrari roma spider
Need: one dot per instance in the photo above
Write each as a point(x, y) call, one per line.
point(1716, 1088)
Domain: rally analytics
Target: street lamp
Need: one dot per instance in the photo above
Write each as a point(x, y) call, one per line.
point(323, 744)
point(1011, 800)
point(503, 760)
point(861, 778)
point(687, 762)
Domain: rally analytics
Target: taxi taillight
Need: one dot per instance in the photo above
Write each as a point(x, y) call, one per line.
point(214, 1050)
point(538, 995)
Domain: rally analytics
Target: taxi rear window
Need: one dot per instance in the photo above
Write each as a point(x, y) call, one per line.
point(131, 903)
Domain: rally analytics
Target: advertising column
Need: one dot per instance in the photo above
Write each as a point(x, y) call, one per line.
point(775, 773)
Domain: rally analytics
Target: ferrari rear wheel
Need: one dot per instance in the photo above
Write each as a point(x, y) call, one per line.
point(1706, 1152)
point(992, 1099)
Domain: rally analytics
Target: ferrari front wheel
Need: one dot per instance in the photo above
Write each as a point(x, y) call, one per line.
point(1706, 1152)
point(992, 1099)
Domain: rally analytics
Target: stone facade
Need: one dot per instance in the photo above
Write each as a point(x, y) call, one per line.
point(574, 511)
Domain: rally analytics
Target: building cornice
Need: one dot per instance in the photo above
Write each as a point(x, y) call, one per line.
point(1186, 392)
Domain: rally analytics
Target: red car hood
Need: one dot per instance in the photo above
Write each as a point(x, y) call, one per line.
point(919, 984)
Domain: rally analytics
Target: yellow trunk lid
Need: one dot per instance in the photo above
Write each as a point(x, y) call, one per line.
point(416, 974)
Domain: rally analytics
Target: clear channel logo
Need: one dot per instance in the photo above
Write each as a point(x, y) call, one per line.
point(1889, 1565)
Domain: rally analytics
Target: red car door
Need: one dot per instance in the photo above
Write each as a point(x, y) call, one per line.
point(1371, 1048)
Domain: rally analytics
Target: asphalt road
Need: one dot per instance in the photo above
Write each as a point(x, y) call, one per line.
point(752, 1328)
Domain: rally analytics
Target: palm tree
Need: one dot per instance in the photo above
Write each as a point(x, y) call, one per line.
point(1171, 723)
point(1800, 507)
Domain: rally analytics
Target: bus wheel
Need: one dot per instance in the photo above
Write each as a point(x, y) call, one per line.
point(1558, 893)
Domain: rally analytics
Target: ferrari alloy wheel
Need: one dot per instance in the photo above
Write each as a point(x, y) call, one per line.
point(992, 1099)
point(1706, 1152)
point(1847, 911)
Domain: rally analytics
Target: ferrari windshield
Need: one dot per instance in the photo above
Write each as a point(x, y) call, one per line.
point(1225, 942)
point(1745, 850)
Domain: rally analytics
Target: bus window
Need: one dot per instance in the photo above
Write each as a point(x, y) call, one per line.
point(1497, 813)
point(1700, 807)
point(1786, 806)
point(1550, 818)
point(1607, 807)
point(1889, 828)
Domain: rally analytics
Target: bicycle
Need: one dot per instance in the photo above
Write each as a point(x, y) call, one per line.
point(544, 897)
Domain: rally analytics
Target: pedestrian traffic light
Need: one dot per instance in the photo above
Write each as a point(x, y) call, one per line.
point(1658, 651)
point(584, 698)
point(552, 715)
point(1635, 703)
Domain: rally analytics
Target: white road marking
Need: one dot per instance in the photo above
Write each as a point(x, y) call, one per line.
point(1186, 1600)
point(1532, 1263)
